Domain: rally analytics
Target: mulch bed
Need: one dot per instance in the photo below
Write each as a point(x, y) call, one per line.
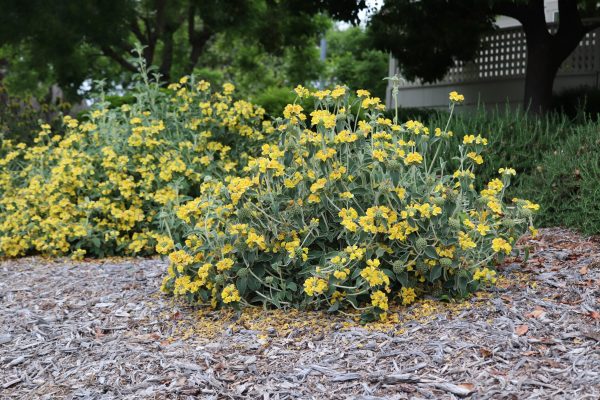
point(101, 330)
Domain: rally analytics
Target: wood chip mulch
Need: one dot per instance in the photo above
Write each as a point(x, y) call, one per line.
point(101, 330)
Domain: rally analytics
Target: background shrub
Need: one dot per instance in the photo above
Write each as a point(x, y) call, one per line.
point(274, 99)
point(566, 181)
point(577, 103)
point(20, 117)
point(516, 138)
point(107, 185)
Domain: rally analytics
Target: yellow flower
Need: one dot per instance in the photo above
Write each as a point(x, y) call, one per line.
point(465, 242)
point(534, 232)
point(345, 136)
point(301, 91)
point(78, 254)
point(445, 252)
point(314, 286)
point(408, 295)
point(326, 154)
point(338, 92)
point(500, 244)
point(373, 275)
point(230, 294)
point(379, 300)
point(348, 216)
point(164, 245)
point(293, 112)
point(293, 181)
point(318, 185)
point(225, 264)
point(401, 192)
point(337, 296)
point(181, 258)
point(372, 102)
point(321, 94)
point(469, 139)
point(342, 274)
point(483, 229)
point(475, 157)
point(255, 239)
point(413, 158)
point(228, 88)
point(455, 97)
point(379, 155)
point(314, 198)
point(203, 86)
point(531, 206)
point(507, 171)
point(486, 275)
point(374, 263)
point(495, 206)
point(355, 252)
point(324, 117)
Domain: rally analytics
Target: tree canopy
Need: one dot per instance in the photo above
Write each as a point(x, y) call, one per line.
point(73, 40)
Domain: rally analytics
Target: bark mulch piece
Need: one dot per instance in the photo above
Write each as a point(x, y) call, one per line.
point(101, 330)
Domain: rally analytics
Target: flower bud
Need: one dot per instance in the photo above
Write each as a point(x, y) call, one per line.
point(454, 223)
point(420, 244)
point(445, 262)
point(398, 266)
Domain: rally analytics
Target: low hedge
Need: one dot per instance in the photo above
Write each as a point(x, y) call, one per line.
point(565, 181)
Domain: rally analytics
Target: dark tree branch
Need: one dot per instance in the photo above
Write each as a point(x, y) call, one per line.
point(197, 39)
point(167, 57)
point(191, 21)
point(570, 29)
point(109, 52)
point(570, 19)
point(135, 28)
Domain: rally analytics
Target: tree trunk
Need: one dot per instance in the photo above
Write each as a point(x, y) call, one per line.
point(545, 51)
point(542, 65)
point(167, 58)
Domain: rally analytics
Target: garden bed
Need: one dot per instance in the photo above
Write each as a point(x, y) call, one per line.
point(101, 329)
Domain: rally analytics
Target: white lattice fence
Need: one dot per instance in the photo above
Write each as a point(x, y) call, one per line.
point(504, 55)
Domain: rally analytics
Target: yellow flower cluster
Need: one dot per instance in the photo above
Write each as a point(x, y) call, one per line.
point(379, 300)
point(499, 244)
point(408, 295)
point(314, 286)
point(230, 294)
point(455, 97)
point(485, 275)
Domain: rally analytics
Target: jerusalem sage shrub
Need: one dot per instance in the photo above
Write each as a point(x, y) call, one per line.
point(107, 185)
point(341, 212)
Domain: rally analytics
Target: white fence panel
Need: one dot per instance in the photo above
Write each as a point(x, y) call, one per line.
point(497, 75)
